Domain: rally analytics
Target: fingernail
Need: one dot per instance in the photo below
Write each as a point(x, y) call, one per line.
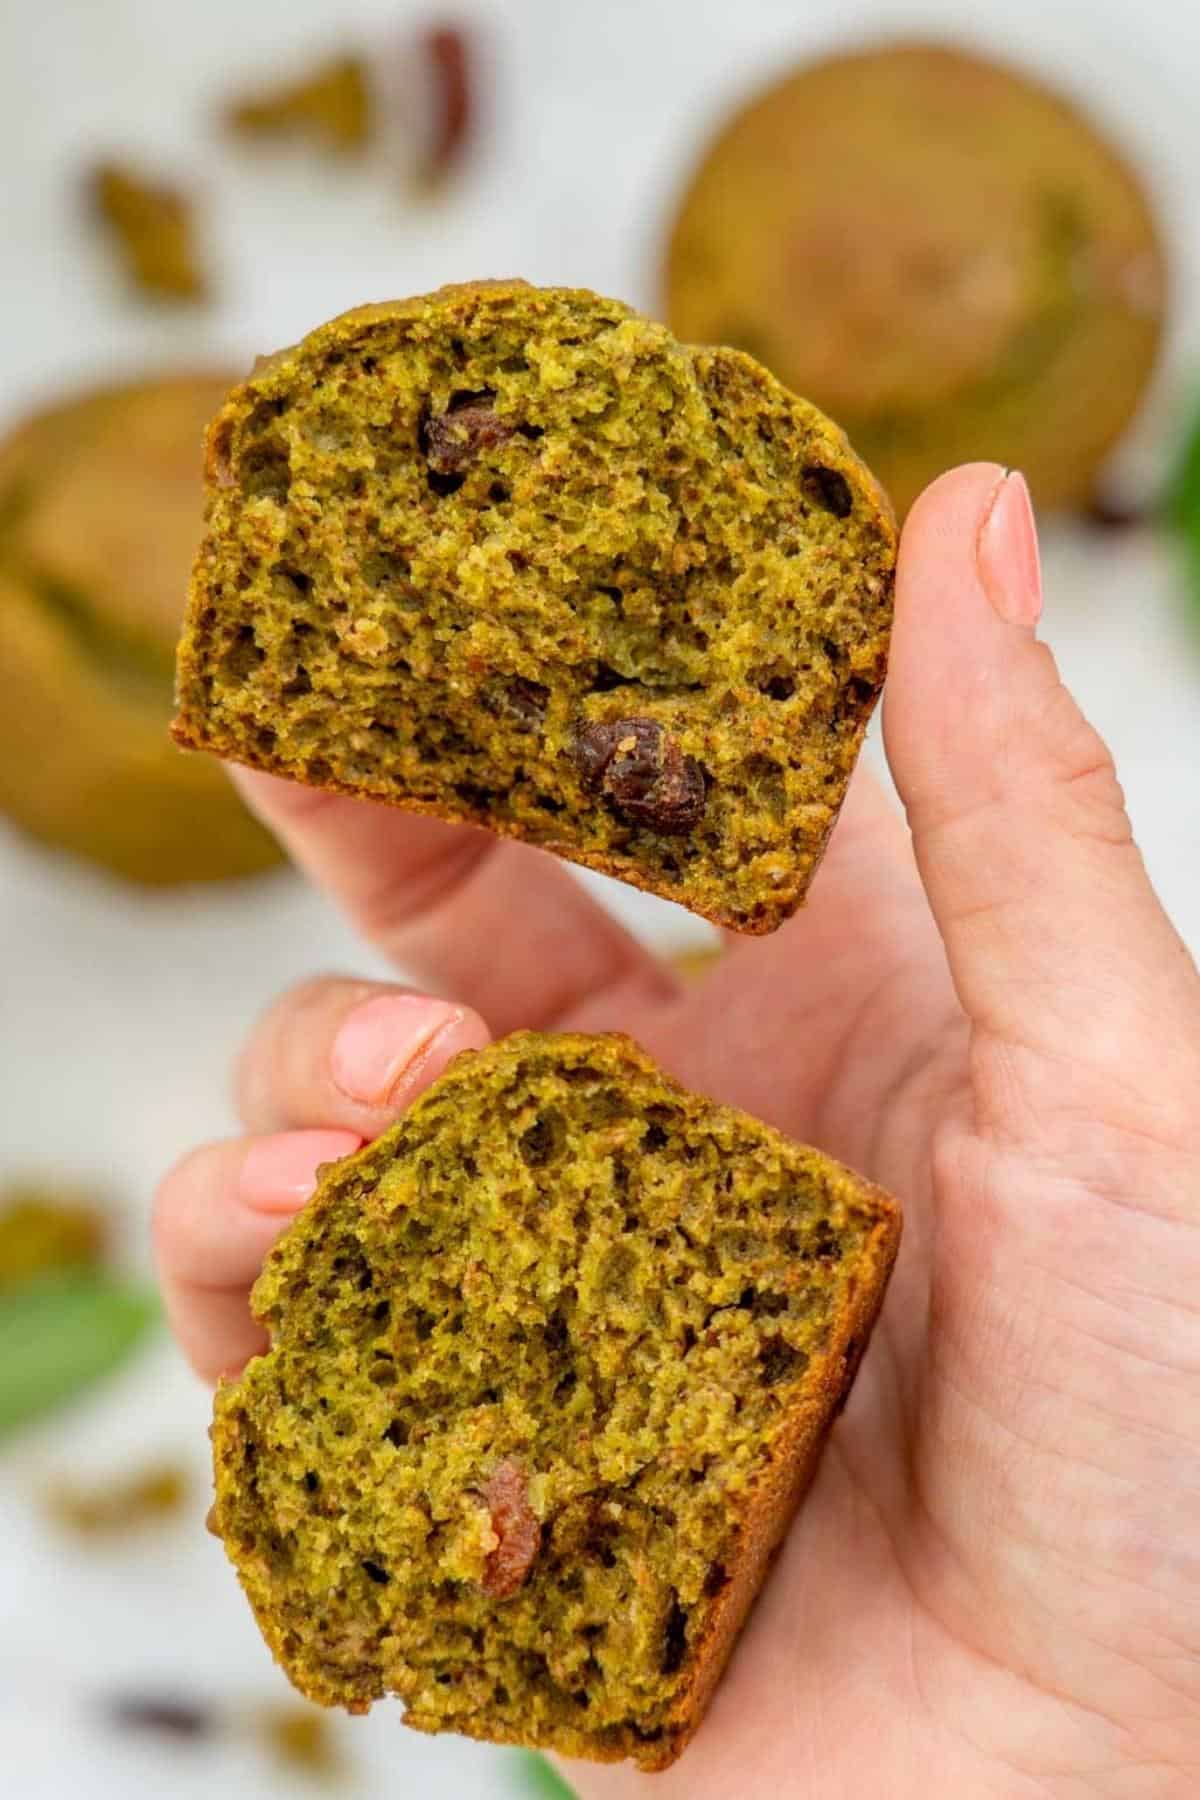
point(385, 1042)
point(279, 1173)
point(1007, 553)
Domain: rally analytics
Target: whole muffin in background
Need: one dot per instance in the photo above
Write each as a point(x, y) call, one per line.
point(100, 511)
point(941, 253)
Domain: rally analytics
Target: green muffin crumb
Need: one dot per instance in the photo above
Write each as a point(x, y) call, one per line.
point(516, 557)
point(552, 1362)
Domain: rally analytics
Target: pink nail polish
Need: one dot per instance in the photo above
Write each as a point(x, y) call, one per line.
point(279, 1173)
point(1006, 553)
point(388, 1039)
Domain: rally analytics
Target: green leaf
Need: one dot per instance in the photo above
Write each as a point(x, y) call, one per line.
point(1183, 509)
point(1183, 503)
point(60, 1333)
point(537, 1780)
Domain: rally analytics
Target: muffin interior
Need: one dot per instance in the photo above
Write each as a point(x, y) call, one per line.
point(550, 571)
point(532, 1357)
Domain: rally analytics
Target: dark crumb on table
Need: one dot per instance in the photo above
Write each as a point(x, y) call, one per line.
point(162, 1715)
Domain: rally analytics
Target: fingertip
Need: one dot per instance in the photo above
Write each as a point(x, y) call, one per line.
point(959, 647)
point(272, 797)
point(279, 1173)
point(956, 498)
point(390, 1047)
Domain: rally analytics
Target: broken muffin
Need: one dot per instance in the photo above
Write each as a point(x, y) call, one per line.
point(551, 1366)
point(516, 557)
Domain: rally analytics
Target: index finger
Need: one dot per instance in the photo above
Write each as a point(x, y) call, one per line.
point(499, 925)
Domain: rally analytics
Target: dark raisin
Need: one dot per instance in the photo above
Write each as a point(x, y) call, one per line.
point(451, 441)
point(674, 1638)
point(715, 1580)
point(450, 58)
point(643, 773)
point(162, 1715)
point(828, 489)
point(377, 1575)
point(515, 1523)
point(312, 1481)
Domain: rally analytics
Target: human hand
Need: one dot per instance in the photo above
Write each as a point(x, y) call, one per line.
point(993, 1587)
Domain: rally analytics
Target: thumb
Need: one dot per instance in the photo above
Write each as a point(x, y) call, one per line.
point(1058, 946)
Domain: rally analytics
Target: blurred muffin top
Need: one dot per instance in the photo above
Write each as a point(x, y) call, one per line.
point(941, 253)
point(101, 497)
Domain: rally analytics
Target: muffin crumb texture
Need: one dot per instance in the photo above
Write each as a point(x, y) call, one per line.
point(516, 557)
point(551, 1365)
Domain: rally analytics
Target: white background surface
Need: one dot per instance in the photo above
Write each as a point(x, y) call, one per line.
point(118, 1013)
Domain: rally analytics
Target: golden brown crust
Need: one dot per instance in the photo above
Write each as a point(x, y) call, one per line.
point(792, 1473)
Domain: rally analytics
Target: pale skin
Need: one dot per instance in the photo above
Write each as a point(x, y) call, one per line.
point(992, 1591)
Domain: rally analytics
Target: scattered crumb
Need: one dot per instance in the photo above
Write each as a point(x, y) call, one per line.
point(331, 105)
point(152, 1494)
point(301, 1738)
point(151, 225)
point(45, 1229)
point(693, 965)
point(448, 58)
